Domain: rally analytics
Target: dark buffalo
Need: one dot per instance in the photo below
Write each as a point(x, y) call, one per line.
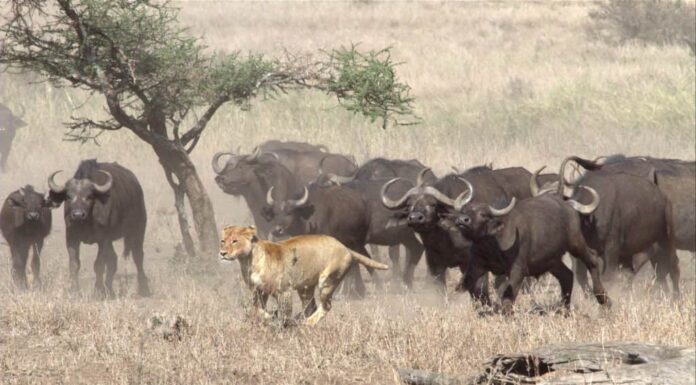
point(340, 212)
point(103, 203)
point(424, 209)
point(677, 181)
point(25, 220)
point(528, 238)
point(633, 215)
point(239, 176)
point(273, 145)
point(9, 123)
point(378, 169)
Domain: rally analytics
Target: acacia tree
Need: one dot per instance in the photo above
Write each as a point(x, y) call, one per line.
point(155, 77)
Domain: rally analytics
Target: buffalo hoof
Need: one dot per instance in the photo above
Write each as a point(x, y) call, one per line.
point(144, 290)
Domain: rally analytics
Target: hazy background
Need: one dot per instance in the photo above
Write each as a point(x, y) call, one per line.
point(511, 83)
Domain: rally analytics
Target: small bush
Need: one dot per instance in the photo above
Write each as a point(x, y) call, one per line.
point(659, 22)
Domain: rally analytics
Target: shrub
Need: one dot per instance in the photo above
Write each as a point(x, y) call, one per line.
point(659, 22)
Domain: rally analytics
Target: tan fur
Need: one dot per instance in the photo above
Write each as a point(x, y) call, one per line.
point(302, 263)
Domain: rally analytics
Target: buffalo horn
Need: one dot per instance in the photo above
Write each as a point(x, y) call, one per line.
point(104, 188)
point(269, 196)
point(437, 194)
point(52, 184)
point(217, 168)
point(465, 196)
point(302, 201)
point(588, 208)
point(420, 179)
point(505, 211)
point(391, 204)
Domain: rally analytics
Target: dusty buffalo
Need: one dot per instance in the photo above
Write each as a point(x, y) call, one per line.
point(9, 123)
point(239, 176)
point(633, 215)
point(528, 238)
point(378, 169)
point(103, 202)
point(25, 220)
point(424, 209)
point(340, 212)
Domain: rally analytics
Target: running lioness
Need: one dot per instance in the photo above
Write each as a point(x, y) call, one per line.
point(301, 263)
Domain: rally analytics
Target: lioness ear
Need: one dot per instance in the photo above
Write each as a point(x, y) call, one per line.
point(254, 239)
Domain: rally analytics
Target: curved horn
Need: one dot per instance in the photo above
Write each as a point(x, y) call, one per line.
point(533, 183)
point(565, 187)
point(465, 196)
point(269, 196)
point(217, 168)
point(302, 201)
point(104, 188)
point(456, 170)
point(391, 204)
point(586, 208)
point(420, 179)
point(257, 154)
point(53, 185)
point(338, 179)
point(600, 159)
point(437, 194)
point(501, 212)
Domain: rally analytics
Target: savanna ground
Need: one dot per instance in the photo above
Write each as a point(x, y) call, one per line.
point(512, 83)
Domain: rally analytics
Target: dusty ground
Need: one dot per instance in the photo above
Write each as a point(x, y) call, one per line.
point(513, 83)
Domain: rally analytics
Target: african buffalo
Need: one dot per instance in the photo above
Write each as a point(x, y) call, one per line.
point(528, 238)
point(633, 215)
point(25, 220)
point(9, 123)
point(103, 202)
point(424, 209)
point(239, 176)
point(338, 211)
point(378, 169)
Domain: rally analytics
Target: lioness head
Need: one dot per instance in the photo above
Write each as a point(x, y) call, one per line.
point(236, 242)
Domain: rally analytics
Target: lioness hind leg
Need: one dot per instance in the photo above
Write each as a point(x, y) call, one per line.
point(328, 282)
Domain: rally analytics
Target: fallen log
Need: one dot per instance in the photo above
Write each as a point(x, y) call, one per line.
point(576, 364)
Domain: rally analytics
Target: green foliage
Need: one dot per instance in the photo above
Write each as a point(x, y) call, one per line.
point(365, 83)
point(154, 73)
point(657, 22)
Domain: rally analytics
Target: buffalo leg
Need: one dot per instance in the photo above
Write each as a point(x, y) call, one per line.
point(474, 282)
point(111, 260)
point(20, 254)
point(589, 258)
point(437, 272)
point(414, 251)
point(565, 278)
point(581, 275)
point(138, 256)
point(669, 251)
point(375, 277)
point(353, 287)
point(396, 264)
point(74, 256)
point(512, 288)
point(36, 264)
point(99, 268)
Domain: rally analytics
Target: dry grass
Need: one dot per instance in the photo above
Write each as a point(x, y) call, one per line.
point(512, 83)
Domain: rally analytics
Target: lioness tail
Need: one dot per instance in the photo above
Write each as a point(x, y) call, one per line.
point(365, 261)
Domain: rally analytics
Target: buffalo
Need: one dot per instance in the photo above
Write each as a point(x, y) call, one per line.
point(239, 175)
point(424, 208)
point(378, 169)
point(528, 238)
point(103, 202)
point(9, 123)
point(25, 220)
point(633, 215)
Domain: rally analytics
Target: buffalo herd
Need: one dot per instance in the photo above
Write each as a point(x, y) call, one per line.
point(611, 214)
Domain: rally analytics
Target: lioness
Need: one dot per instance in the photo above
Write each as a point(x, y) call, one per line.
point(301, 263)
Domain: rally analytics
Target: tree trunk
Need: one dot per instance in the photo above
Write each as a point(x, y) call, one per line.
point(176, 161)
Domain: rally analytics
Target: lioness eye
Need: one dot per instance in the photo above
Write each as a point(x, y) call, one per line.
point(234, 241)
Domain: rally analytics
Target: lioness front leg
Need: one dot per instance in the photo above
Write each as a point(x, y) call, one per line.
point(259, 301)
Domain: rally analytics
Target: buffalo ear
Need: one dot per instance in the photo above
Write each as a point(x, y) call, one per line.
point(494, 226)
point(267, 213)
point(306, 211)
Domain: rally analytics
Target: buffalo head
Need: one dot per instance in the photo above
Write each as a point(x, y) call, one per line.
point(421, 207)
point(9, 121)
point(288, 216)
point(239, 170)
point(29, 206)
point(78, 194)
